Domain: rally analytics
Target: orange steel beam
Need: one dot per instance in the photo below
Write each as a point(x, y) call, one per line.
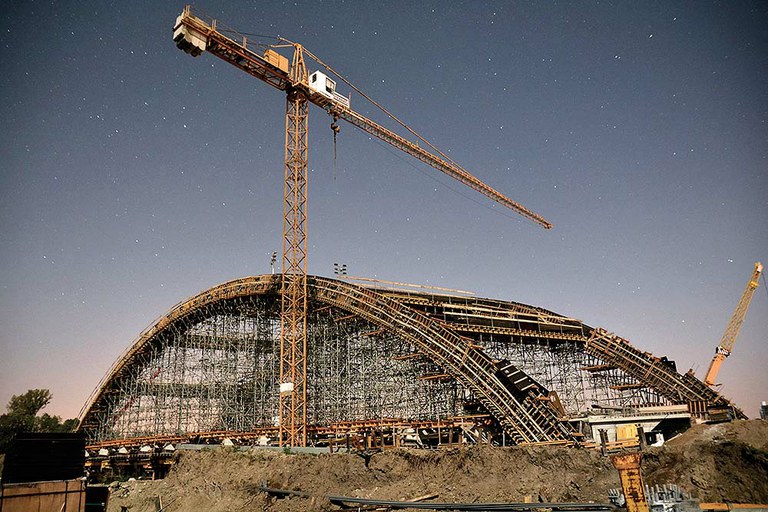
point(628, 466)
point(598, 368)
point(406, 357)
point(436, 376)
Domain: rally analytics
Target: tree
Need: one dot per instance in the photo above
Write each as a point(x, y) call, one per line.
point(22, 417)
point(30, 403)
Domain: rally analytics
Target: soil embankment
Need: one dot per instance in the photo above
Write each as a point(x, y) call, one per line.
point(716, 463)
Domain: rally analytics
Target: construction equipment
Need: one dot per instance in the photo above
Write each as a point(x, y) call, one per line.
point(195, 36)
point(732, 331)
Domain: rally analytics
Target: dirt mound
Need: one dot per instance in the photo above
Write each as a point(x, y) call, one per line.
point(221, 480)
point(753, 433)
point(713, 463)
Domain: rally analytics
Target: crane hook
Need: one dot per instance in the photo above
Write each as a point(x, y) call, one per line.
point(335, 125)
point(336, 129)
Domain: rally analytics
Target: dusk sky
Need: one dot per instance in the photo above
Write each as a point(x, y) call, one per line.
point(133, 175)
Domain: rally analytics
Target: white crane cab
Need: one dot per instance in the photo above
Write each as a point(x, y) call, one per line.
point(325, 86)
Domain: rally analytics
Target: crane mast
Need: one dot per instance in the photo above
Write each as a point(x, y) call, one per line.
point(732, 331)
point(195, 36)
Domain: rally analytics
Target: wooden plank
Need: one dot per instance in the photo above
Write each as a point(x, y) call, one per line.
point(57, 495)
point(732, 506)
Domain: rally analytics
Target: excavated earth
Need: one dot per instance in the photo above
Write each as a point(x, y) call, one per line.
point(713, 463)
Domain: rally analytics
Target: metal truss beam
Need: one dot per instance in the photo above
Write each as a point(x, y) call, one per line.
point(293, 320)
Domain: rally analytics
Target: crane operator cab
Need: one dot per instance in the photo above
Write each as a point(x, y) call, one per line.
point(325, 86)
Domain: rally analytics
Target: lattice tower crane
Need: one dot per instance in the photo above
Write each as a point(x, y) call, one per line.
point(195, 36)
point(732, 331)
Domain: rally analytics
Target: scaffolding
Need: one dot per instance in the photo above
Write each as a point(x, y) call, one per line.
point(375, 357)
point(221, 374)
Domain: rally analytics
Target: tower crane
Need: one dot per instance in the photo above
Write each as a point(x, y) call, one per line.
point(195, 36)
point(732, 331)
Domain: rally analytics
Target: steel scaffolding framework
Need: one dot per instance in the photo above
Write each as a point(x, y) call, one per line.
point(212, 364)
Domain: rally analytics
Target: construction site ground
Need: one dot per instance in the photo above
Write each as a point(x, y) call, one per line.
point(725, 462)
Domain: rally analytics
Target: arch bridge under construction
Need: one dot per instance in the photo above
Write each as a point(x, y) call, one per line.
point(377, 358)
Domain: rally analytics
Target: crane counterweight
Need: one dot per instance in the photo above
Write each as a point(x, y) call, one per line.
point(276, 60)
point(186, 37)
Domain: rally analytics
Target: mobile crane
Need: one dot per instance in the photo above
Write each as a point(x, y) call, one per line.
point(195, 36)
point(732, 331)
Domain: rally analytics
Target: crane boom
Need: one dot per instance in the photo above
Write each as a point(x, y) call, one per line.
point(734, 326)
point(195, 36)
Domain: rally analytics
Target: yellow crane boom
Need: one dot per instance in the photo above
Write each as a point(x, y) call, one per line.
point(195, 36)
point(732, 331)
